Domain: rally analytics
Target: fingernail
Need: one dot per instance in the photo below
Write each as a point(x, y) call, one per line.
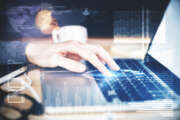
point(116, 67)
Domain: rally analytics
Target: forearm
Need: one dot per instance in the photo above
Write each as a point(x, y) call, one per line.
point(13, 52)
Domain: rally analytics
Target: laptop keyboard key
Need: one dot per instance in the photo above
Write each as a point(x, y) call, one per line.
point(131, 90)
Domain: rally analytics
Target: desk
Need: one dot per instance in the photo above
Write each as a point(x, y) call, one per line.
point(131, 115)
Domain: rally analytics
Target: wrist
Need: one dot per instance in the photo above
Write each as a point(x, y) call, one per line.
point(29, 51)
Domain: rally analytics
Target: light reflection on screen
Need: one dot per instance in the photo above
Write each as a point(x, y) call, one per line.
point(166, 44)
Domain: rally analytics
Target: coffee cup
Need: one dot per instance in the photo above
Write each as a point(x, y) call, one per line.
point(70, 32)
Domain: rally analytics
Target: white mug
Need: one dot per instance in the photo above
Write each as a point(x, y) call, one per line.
point(71, 32)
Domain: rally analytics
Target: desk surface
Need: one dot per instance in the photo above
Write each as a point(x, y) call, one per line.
point(129, 51)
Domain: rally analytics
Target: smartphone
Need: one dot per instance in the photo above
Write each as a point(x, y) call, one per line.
point(9, 71)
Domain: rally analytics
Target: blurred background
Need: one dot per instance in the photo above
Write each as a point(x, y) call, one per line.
point(123, 27)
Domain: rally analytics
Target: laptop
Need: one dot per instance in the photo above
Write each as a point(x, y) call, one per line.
point(149, 84)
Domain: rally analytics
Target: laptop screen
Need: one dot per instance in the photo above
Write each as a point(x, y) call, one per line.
point(165, 46)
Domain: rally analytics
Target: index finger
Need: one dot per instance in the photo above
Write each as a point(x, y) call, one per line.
point(104, 56)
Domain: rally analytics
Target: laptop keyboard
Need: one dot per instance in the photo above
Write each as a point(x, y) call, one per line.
point(131, 83)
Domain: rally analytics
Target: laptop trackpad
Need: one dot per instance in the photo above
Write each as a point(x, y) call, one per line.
point(64, 88)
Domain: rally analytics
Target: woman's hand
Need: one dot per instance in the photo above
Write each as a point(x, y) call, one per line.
point(68, 54)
